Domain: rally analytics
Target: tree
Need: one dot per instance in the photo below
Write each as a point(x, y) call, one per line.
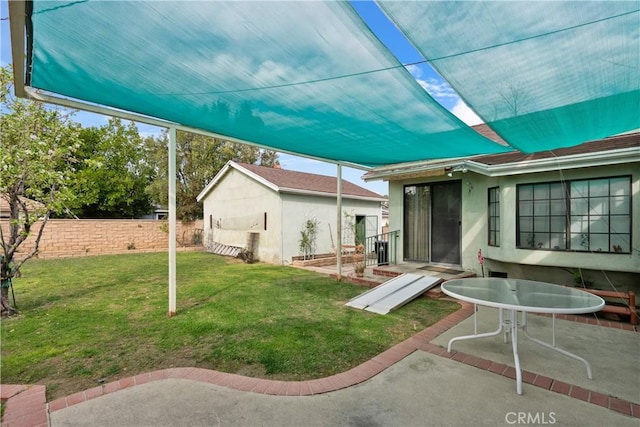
point(514, 100)
point(112, 174)
point(198, 159)
point(36, 163)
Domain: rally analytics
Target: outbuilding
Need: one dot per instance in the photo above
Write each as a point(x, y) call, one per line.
point(278, 214)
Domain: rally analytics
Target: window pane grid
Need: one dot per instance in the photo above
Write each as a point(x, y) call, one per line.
point(494, 216)
point(592, 215)
point(607, 216)
point(542, 216)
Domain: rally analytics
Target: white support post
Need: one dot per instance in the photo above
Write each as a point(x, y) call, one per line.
point(339, 222)
point(172, 221)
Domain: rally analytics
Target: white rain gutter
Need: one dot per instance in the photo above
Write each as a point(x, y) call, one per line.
point(574, 161)
point(323, 194)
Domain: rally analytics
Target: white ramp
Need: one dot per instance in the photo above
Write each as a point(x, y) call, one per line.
point(393, 293)
point(381, 291)
point(404, 295)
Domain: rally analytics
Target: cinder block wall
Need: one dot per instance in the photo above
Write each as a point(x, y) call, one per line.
point(80, 237)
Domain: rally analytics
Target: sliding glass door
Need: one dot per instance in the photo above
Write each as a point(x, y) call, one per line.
point(446, 211)
point(431, 228)
point(416, 222)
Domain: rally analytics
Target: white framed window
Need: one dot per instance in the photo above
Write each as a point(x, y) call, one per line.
point(590, 215)
point(494, 216)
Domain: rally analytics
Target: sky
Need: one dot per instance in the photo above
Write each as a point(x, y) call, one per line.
point(383, 29)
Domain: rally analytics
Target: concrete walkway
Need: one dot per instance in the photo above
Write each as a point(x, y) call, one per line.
point(414, 383)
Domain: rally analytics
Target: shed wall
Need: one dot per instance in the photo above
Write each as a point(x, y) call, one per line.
point(236, 207)
point(298, 209)
point(238, 203)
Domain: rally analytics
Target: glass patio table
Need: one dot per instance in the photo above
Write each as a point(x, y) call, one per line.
point(526, 296)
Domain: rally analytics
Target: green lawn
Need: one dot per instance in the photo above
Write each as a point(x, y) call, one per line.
point(101, 318)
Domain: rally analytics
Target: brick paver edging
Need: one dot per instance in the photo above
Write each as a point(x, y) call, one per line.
point(335, 382)
point(26, 405)
point(420, 341)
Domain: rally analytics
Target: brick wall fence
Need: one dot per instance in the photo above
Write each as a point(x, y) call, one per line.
point(80, 237)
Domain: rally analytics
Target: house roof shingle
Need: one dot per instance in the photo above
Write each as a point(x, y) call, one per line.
point(487, 132)
point(628, 143)
point(5, 212)
point(611, 143)
point(308, 181)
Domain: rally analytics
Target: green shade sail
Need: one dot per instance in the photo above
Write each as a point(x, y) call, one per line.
point(309, 77)
point(542, 74)
point(300, 77)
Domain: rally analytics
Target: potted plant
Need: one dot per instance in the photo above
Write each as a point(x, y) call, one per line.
point(359, 267)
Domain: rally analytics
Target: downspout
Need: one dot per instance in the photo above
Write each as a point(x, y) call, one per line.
point(172, 221)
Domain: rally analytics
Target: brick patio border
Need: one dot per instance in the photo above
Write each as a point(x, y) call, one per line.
point(26, 405)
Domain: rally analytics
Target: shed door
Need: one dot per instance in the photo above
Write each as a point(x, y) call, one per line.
point(366, 226)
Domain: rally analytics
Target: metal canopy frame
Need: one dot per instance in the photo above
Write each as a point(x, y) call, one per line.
point(443, 128)
point(17, 12)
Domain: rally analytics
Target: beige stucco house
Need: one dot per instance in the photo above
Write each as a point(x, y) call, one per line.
point(247, 205)
point(541, 216)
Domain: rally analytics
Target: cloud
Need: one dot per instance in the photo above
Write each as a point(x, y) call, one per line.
point(446, 95)
point(438, 89)
point(442, 92)
point(466, 114)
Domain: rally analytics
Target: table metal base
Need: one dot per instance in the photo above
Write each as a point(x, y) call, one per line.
point(510, 326)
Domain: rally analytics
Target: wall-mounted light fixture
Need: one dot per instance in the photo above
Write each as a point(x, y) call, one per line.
point(449, 170)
